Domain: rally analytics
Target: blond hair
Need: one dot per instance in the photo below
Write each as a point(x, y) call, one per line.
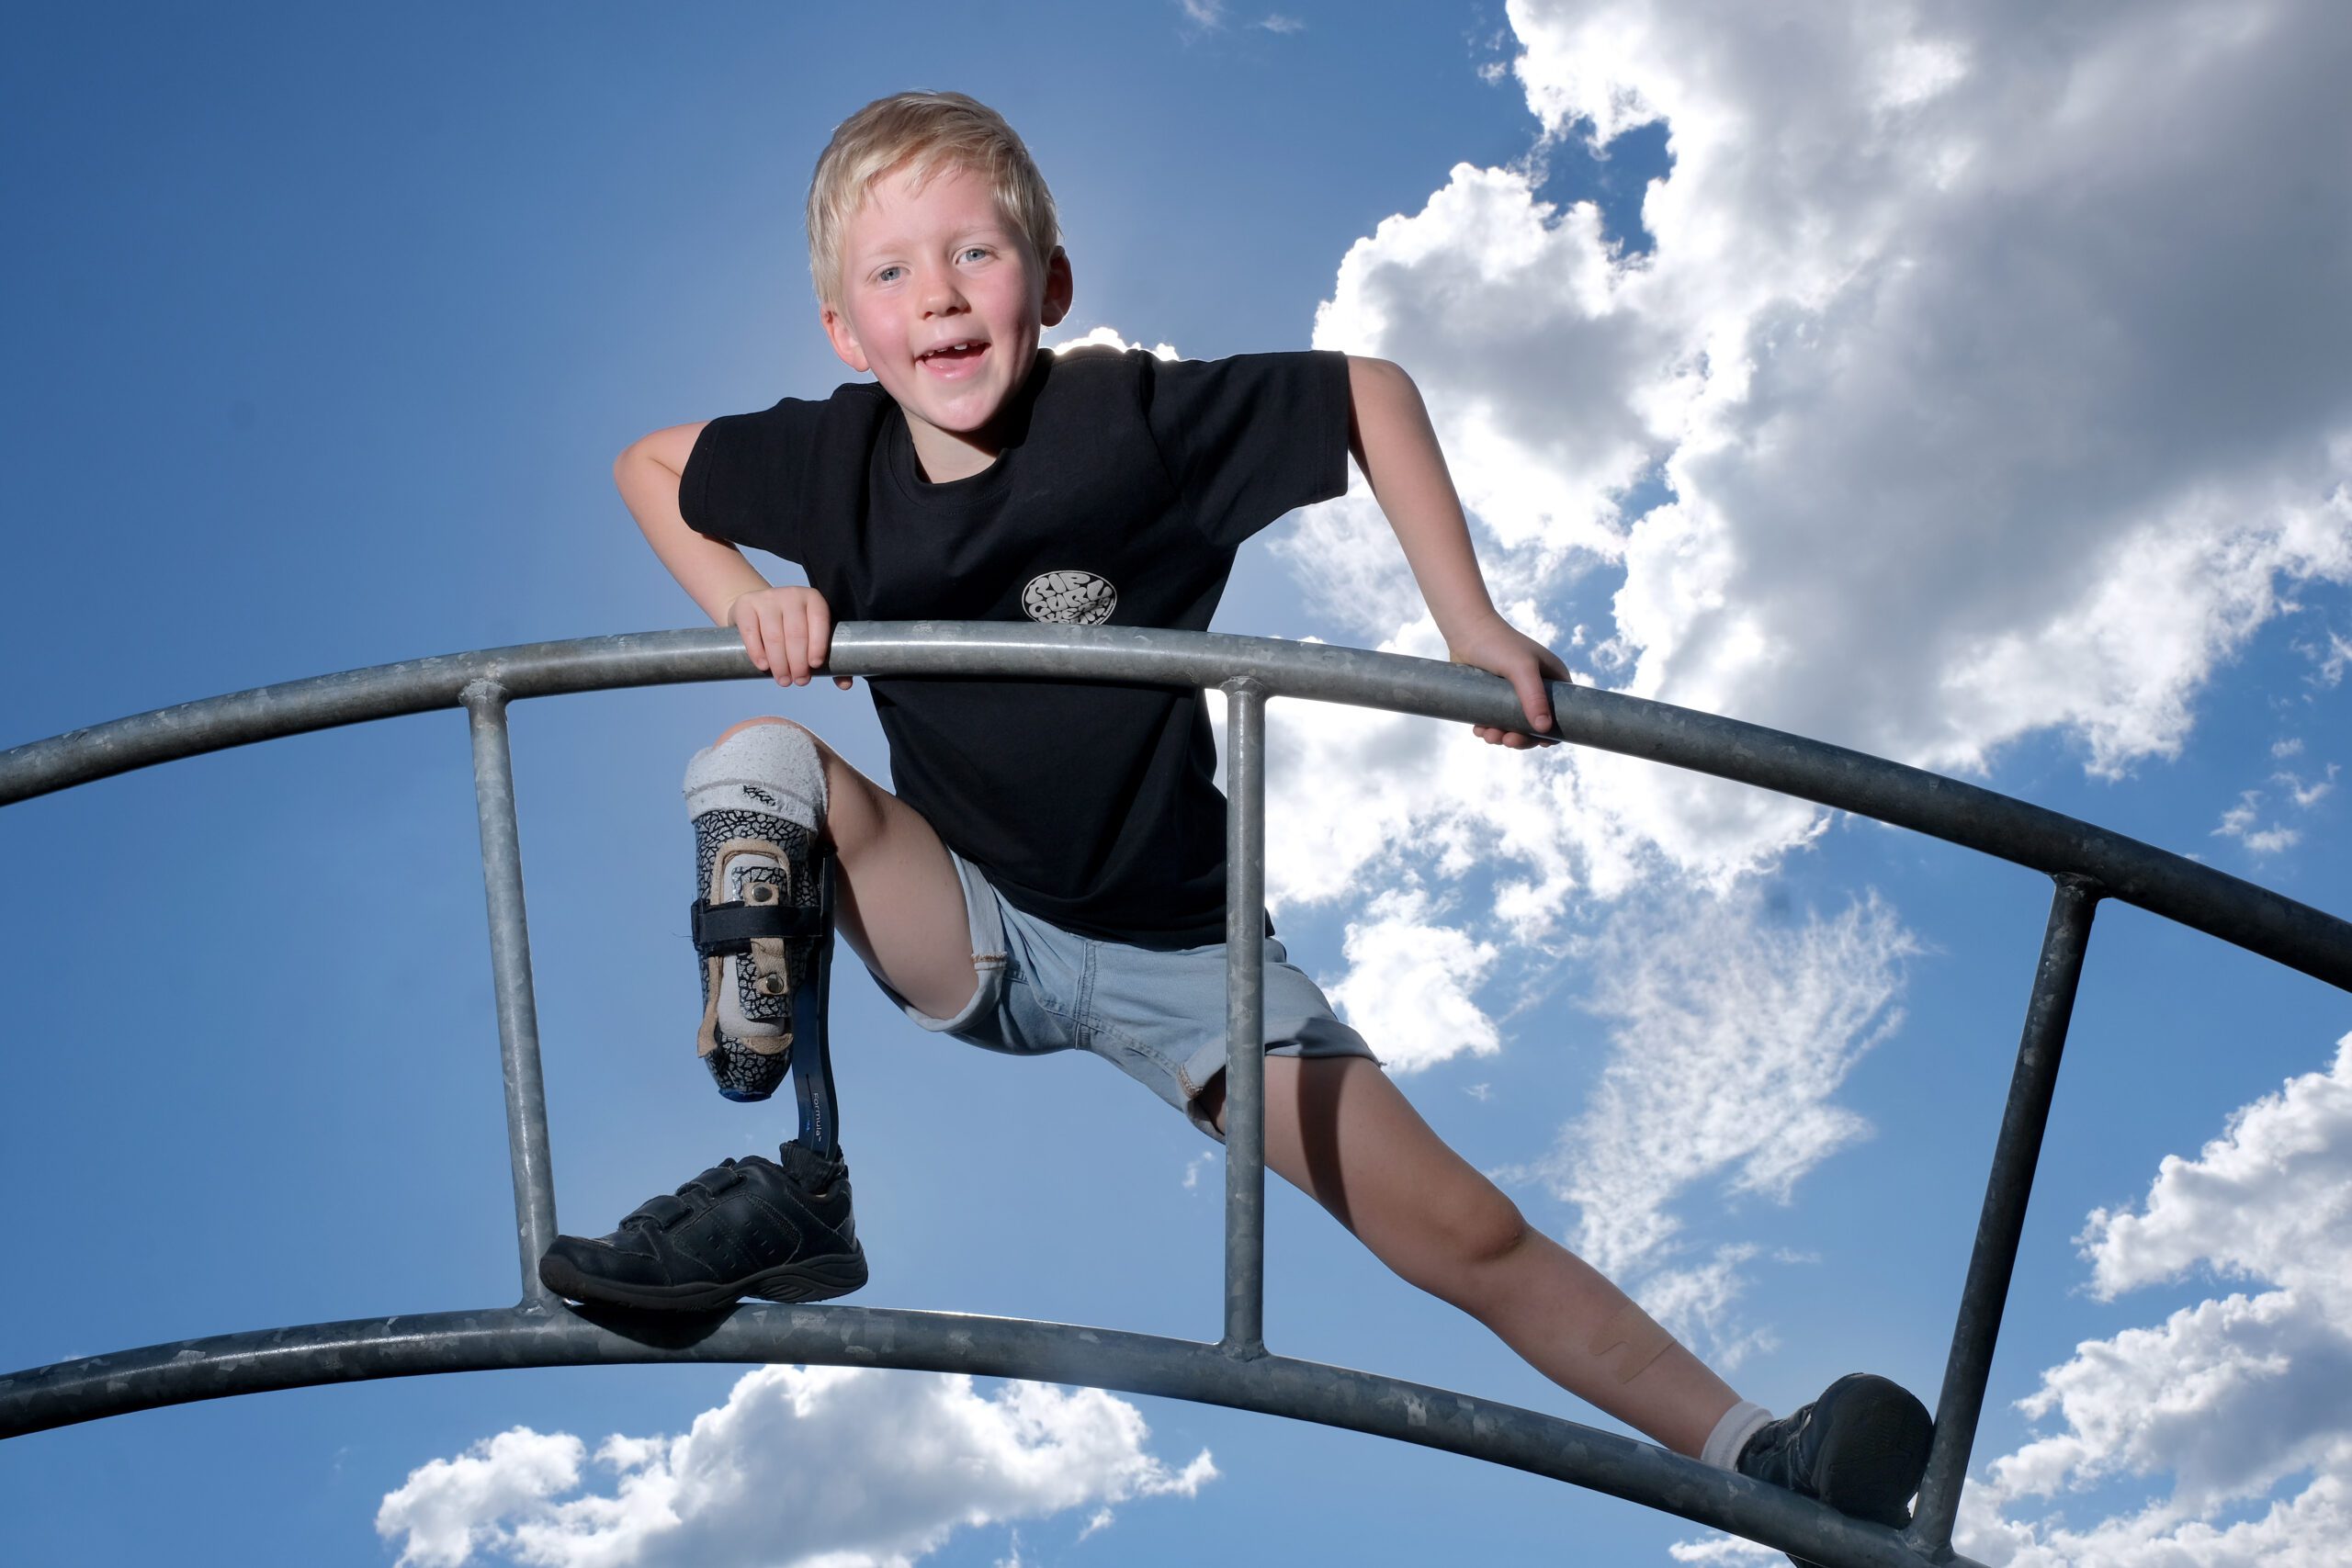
point(925, 133)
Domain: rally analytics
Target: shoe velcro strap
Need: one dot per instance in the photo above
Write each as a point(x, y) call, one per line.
point(721, 931)
point(660, 1212)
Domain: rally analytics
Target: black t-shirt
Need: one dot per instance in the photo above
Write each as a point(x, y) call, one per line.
point(1125, 487)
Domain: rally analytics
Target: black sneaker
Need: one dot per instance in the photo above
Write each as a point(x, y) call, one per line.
point(744, 1228)
point(1861, 1448)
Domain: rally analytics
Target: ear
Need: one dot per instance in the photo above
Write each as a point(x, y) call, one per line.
point(1059, 288)
point(844, 338)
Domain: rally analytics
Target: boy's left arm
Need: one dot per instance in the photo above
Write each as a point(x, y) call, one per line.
point(1394, 442)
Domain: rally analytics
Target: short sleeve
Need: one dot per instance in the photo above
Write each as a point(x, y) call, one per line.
point(1249, 438)
point(746, 472)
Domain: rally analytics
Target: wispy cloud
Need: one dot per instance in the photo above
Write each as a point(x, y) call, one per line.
point(1730, 1035)
point(2307, 794)
point(2243, 822)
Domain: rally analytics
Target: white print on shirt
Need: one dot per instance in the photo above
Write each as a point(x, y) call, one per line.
point(1075, 598)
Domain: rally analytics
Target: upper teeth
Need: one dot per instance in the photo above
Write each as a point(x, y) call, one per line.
point(944, 348)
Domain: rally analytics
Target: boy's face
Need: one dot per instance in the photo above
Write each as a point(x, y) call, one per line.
point(944, 300)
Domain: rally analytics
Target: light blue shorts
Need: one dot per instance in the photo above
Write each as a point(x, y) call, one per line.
point(1157, 1016)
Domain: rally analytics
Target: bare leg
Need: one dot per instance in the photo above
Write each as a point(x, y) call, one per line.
point(898, 903)
point(1341, 1132)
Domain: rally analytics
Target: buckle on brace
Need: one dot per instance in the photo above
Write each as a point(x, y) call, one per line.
point(726, 930)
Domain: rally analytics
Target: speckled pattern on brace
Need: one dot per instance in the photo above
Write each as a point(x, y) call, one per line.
point(735, 792)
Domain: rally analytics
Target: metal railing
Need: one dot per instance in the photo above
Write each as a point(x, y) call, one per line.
point(2087, 863)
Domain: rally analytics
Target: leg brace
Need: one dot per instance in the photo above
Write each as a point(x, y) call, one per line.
point(762, 920)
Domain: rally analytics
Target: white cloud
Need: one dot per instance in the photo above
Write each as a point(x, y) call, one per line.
point(2231, 1397)
point(1408, 985)
point(2306, 795)
point(1724, 1549)
point(1108, 337)
point(451, 1506)
point(826, 1467)
point(2242, 822)
point(1977, 412)
point(2331, 661)
point(1730, 1035)
point(2270, 1198)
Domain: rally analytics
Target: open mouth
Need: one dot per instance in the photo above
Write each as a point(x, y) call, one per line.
point(950, 357)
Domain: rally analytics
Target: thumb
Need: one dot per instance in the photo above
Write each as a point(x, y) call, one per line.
point(1527, 684)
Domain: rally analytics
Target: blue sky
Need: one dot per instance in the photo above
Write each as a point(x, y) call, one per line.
point(1968, 390)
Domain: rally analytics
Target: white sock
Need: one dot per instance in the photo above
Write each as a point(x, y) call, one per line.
point(770, 768)
point(1741, 1422)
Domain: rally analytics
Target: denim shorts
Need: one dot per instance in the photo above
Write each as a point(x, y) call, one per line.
point(1156, 1016)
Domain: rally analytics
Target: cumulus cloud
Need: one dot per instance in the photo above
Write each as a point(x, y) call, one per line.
point(1108, 337)
point(1408, 985)
point(1985, 374)
point(842, 1467)
point(1729, 1038)
point(2270, 1198)
point(2231, 1398)
point(451, 1506)
point(1956, 399)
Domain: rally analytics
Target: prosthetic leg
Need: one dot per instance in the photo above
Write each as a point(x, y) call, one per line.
point(762, 925)
point(762, 922)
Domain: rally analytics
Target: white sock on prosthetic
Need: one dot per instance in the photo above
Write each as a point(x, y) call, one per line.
point(757, 800)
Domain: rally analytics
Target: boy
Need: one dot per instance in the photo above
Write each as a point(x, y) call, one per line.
point(1050, 872)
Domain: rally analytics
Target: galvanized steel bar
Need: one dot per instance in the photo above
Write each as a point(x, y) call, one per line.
point(509, 966)
point(1986, 1293)
point(1245, 1010)
point(2239, 912)
point(836, 1335)
point(2088, 861)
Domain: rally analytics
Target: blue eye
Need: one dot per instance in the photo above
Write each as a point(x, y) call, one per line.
point(972, 250)
point(888, 273)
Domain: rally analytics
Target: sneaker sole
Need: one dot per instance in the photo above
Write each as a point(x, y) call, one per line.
point(1871, 1459)
point(815, 1280)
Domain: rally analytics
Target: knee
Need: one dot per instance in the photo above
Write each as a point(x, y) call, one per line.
point(828, 763)
point(731, 731)
point(1461, 1247)
point(1491, 1232)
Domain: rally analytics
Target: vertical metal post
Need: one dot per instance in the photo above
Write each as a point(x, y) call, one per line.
point(2015, 1154)
point(1245, 1036)
point(509, 965)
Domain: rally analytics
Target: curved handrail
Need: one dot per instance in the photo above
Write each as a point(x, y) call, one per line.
point(2088, 863)
point(2236, 911)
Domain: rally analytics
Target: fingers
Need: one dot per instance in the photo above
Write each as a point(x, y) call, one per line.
point(788, 633)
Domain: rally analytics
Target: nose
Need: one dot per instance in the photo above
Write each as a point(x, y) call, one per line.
point(940, 295)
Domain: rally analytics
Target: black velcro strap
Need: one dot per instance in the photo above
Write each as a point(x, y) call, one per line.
point(724, 930)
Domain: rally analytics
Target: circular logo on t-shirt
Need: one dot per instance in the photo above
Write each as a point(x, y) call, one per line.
point(1073, 598)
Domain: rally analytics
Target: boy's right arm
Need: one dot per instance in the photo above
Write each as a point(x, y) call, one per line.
point(787, 631)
